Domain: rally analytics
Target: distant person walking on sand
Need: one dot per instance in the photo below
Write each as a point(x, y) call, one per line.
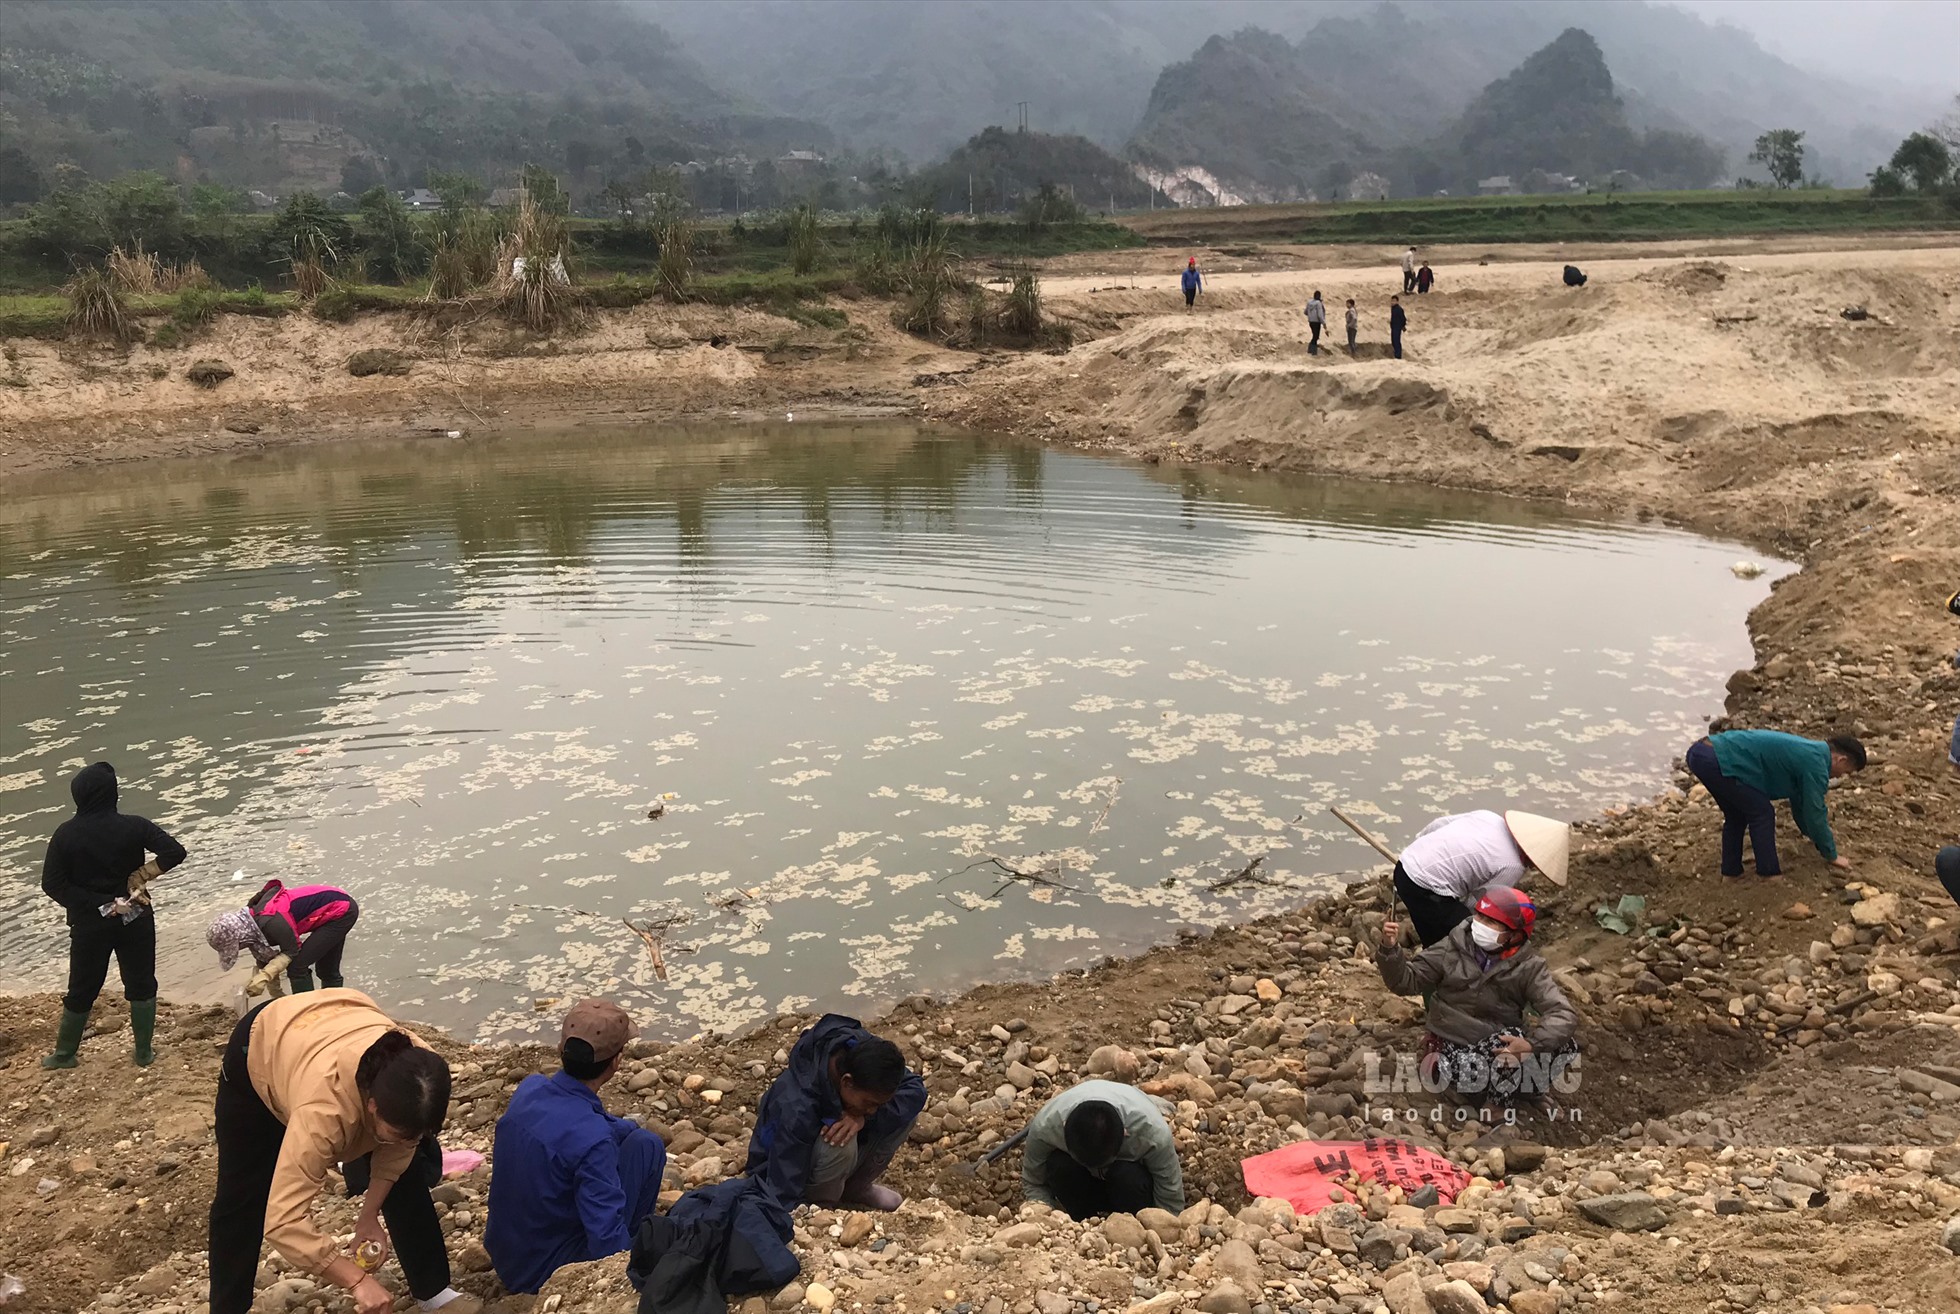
point(1398, 319)
point(1353, 325)
point(1316, 320)
point(1425, 278)
point(1194, 283)
point(1409, 271)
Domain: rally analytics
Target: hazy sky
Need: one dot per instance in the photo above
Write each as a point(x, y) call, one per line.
point(1915, 41)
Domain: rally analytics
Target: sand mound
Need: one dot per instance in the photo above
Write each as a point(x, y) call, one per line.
point(1695, 278)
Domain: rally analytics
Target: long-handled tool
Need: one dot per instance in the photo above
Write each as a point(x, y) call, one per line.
point(1394, 901)
point(972, 1169)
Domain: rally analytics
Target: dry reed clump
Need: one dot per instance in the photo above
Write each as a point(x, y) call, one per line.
point(465, 259)
point(804, 238)
point(673, 234)
point(934, 289)
point(96, 308)
point(141, 273)
point(534, 286)
point(1021, 316)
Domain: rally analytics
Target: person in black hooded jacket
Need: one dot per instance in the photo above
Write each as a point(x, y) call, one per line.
point(96, 869)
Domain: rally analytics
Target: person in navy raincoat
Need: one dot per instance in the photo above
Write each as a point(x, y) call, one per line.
point(830, 1124)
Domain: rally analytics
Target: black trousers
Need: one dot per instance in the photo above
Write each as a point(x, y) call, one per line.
point(249, 1137)
point(1946, 865)
point(1313, 343)
point(322, 949)
point(90, 946)
point(1124, 1188)
point(1744, 808)
point(1433, 915)
point(1408, 280)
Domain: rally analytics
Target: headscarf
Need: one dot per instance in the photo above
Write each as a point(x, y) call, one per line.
point(234, 931)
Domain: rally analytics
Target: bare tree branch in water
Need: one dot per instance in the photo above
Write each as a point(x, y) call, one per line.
point(652, 931)
point(1041, 871)
point(1251, 875)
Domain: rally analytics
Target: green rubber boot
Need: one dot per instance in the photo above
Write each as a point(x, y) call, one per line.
point(67, 1040)
point(143, 1021)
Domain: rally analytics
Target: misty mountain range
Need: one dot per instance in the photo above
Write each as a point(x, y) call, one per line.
point(1276, 97)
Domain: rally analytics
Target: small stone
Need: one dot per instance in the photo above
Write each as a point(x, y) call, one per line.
point(1403, 1295)
point(1950, 1238)
point(473, 1258)
point(1267, 990)
point(1125, 1232)
point(640, 1081)
point(42, 1136)
point(1236, 1004)
point(1634, 1211)
point(208, 373)
point(1114, 1062)
point(1019, 1234)
point(857, 1227)
point(1524, 1157)
point(1425, 1197)
point(703, 1171)
point(1878, 910)
point(1225, 1298)
point(820, 1298)
point(1533, 1302)
point(1456, 1297)
point(1457, 1220)
point(1021, 1075)
point(1477, 1275)
point(1798, 912)
point(1052, 1302)
point(1943, 1092)
point(1162, 1223)
point(376, 360)
point(788, 1298)
point(1237, 1263)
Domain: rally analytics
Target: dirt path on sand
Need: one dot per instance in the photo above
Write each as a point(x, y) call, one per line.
point(1774, 1070)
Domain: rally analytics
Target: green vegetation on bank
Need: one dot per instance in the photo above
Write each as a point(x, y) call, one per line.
point(131, 250)
point(1624, 217)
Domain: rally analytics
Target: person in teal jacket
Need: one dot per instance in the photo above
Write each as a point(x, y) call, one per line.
point(1746, 771)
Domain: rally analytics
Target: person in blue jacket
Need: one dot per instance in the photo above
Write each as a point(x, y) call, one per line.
point(1746, 771)
point(1194, 283)
point(570, 1182)
point(829, 1125)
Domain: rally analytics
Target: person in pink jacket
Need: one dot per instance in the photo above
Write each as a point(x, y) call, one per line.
point(297, 929)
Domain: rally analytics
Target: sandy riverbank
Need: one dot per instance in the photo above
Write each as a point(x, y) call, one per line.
point(1772, 1036)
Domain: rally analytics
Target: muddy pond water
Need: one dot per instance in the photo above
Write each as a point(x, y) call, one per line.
point(855, 663)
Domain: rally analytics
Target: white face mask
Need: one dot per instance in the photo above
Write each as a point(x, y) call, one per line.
point(1488, 938)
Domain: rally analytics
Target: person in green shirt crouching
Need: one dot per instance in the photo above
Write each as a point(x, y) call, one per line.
point(1746, 771)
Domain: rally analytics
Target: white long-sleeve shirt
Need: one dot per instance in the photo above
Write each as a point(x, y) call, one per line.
point(1409, 262)
point(1146, 1139)
point(1462, 855)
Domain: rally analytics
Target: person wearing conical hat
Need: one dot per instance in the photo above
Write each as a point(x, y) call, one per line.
point(1455, 859)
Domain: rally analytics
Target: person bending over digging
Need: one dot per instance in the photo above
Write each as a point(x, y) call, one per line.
point(572, 1182)
point(1746, 771)
point(95, 869)
point(309, 1082)
point(1485, 981)
point(1102, 1147)
point(1453, 860)
point(292, 931)
point(827, 1128)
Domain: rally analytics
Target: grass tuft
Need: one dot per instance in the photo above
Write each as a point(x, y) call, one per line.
point(96, 307)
